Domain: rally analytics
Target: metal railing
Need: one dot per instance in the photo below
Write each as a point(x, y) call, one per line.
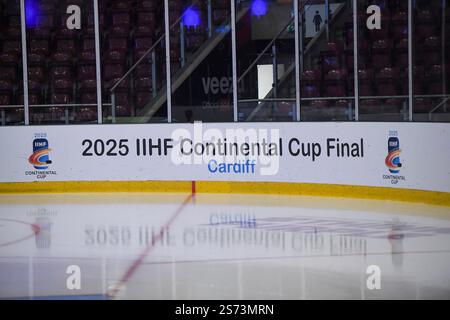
point(440, 105)
point(152, 52)
point(302, 51)
point(66, 107)
point(269, 46)
point(430, 96)
point(445, 97)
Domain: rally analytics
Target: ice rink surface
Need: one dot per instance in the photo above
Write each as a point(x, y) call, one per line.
point(172, 246)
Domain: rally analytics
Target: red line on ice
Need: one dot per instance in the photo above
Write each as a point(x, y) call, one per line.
point(139, 261)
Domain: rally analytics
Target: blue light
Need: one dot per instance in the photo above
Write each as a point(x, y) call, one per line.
point(31, 13)
point(259, 8)
point(191, 17)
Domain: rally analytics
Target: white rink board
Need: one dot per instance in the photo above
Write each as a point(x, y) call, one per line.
point(424, 154)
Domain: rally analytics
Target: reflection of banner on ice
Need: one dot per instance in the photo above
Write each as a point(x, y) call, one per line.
point(43, 236)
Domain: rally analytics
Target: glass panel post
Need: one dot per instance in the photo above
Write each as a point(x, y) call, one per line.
point(410, 61)
point(355, 57)
point(168, 61)
point(298, 52)
point(24, 63)
point(98, 71)
point(234, 59)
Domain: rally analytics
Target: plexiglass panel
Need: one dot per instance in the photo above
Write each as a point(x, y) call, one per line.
point(135, 71)
point(326, 79)
point(201, 55)
point(431, 22)
point(266, 61)
point(11, 79)
point(383, 60)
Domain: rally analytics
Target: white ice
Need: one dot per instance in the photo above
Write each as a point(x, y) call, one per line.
point(151, 246)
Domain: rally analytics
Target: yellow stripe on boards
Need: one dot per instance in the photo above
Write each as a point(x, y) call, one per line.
point(273, 188)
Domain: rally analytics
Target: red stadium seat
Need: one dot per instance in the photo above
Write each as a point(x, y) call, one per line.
point(123, 107)
point(120, 26)
point(363, 55)
point(66, 45)
point(12, 33)
point(330, 56)
point(386, 81)
point(88, 85)
point(400, 25)
point(425, 25)
point(117, 50)
point(120, 5)
point(401, 53)
point(365, 77)
point(111, 71)
point(6, 85)
point(8, 73)
point(335, 83)
point(381, 53)
point(146, 23)
point(5, 99)
point(59, 72)
point(418, 76)
point(39, 47)
point(310, 84)
point(62, 85)
point(143, 70)
point(434, 79)
point(146, 5)
point(87, 54)
point(141, 46)
point(432, 51)
point(35, 59)
point(13, 47)
point(86, 72)
point(87, 113)
point(61, 98)
point(8, 59)
point(36, 73)
point(61, 59)
point(320, 104)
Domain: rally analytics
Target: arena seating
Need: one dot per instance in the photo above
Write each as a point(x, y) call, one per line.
point(383, 58)
point(62, 62)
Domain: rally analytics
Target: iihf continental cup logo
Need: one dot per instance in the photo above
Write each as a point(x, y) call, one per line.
point(393, 158)
point(393, 161)
point(40, 159)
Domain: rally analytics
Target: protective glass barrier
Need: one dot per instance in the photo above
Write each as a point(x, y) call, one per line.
point(61, 56)
point(266, 61)
point(11, 79)
point(201, 68)
point(430, 57)
point(383, 60)
point(326, 85)
point(62, 79)
point(134, 68)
